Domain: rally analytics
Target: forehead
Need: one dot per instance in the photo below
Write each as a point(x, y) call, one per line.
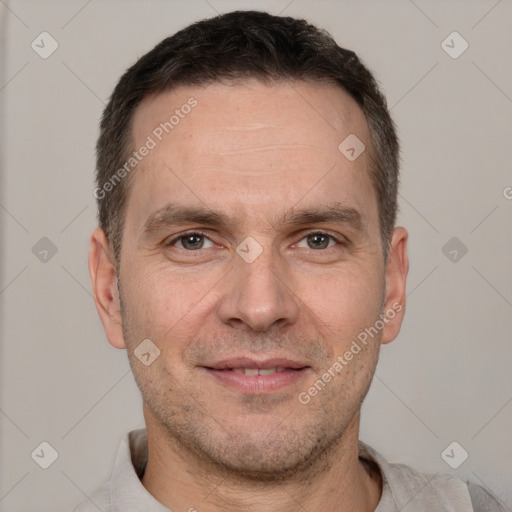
point(250, 146)
point(314, 112)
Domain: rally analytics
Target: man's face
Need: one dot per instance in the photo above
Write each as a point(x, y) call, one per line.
point(251, 242)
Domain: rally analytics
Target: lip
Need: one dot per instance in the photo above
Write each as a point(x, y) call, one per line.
point(249, 362)
point(290, 373)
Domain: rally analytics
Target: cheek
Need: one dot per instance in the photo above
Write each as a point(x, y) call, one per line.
point(165, 305)
point(345, 302)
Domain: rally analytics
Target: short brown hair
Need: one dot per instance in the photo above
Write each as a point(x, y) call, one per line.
point(237, 45)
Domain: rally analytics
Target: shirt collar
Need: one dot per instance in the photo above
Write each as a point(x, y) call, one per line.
point(128, 493)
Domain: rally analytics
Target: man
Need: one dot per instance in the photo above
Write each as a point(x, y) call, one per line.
point(247, 258)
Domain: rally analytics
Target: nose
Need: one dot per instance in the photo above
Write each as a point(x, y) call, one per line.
point(259, 295)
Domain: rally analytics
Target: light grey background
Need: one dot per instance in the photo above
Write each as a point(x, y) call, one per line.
point(446, 378)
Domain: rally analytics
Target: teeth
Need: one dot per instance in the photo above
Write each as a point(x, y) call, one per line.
point(267, 371)
point(257, 371)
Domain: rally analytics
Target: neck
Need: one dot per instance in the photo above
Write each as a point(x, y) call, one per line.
point(180, 480)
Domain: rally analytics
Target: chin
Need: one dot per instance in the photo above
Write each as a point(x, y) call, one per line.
point(267, 455)
point(279, 460)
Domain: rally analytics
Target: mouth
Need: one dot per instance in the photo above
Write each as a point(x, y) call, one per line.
point(257, 377)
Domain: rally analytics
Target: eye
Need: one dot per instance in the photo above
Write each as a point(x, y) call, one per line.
point(191, 241)
point(318, 241)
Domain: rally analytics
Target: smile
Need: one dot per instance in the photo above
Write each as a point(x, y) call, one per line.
point(250, 376)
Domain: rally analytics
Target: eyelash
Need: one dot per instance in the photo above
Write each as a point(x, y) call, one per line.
point(338, 241)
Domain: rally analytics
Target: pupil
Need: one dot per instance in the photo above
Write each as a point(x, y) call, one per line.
point(193, 242)
point(318, 241)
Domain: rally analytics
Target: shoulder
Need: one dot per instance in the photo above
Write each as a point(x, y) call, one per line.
point(407, 488)
point(484, 501)
point(447, 486)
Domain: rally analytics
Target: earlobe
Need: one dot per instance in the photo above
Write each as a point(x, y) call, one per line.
point(102, 270)
point(397, 268)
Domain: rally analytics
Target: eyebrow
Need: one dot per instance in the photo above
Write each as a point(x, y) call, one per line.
point(336, 213)
point(172, 214)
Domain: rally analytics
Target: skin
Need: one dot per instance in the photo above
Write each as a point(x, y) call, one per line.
point(253, 153)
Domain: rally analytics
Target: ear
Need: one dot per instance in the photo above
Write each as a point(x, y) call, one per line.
point(397, 266)
point(103, 274)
